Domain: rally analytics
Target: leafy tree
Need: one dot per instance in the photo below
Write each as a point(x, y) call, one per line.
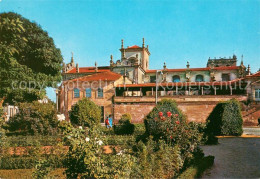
point(29, 60)
point(34, 118)
point(85, 113)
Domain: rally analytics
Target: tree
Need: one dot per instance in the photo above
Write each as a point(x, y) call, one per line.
point(29, 60)
point(35, 118)
point(85, 113)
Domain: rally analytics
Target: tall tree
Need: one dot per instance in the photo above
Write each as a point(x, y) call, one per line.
point(29, 59)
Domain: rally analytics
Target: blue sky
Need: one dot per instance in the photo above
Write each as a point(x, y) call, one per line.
point(176, 31)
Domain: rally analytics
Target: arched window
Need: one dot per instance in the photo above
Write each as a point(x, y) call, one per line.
point(76, 93)
point(176, 78)
point(199, 78)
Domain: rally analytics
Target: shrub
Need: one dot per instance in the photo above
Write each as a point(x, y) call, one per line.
point(225, 119)
point(156, 160)
point(124, 125)
point(34, 118)
point(42, 169)
point(170, 125)
point(153, 121)
point(27, 162)
point(85, 158)
point(85, 113)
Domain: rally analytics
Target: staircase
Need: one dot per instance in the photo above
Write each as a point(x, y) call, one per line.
point(251, 113)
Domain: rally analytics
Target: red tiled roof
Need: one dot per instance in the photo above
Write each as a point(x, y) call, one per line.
point(89, 69)
point(257, 74)
point(134, 46)
point(216, 83)
point(198, 69)
point(103, 76)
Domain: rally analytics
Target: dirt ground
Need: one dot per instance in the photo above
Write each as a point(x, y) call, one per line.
point(234, 158)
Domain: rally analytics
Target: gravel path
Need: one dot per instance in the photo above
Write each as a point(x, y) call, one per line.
point(234, 158)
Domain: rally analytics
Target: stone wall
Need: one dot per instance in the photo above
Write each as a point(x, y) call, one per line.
point(197, 112)
point(196, 109)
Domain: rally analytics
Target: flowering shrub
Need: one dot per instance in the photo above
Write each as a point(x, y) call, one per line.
point(86, 159)
point(167, 122)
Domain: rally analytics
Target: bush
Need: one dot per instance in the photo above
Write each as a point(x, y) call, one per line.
point(34, 118)
point(85, 113)
point(42, 169)
point(27, 162)
point(225, 119)
point(85, 158)
point(153, 120)
point(197, 169)
point(156, 160)
point(170, 125)
point(124, 126)
point(24, 141)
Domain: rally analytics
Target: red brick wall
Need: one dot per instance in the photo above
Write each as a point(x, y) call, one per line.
point(138, 111)
point(197, 112)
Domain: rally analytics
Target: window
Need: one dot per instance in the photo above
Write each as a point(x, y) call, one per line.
point(257, 94)
point(100, 92)
point(122, 72)
point(225, 77)
point(152, 79)
point(176, 78)
point(76, 93)
point(199, 78)
point(88, 92)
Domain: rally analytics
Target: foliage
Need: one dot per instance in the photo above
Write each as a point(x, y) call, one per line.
point(27, 54)
point(85, 157)
point(23, 141)
point(156, 160)
point(173, 128)
point(196, 170)
point(34, 118)
point(225, 119)
point(85, 113)
point(153, 121)
point(28, 162)
point(124, 126)
point(42, 169)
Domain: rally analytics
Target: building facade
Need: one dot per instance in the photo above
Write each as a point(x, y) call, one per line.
point(128, 85)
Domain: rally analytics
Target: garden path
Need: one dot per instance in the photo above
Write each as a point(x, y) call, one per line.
point(234, 158)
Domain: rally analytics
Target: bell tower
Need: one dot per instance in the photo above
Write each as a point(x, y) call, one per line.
point(129, 53)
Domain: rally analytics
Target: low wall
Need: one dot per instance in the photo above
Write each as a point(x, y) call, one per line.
point(196, 109)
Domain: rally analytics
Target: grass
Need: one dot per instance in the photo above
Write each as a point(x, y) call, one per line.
point(27, 173)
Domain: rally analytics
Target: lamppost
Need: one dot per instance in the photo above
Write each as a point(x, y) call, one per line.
point(156, 88)
point(57, 98)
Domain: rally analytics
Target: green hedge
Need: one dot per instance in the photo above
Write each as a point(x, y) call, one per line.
point(124, 126)
point(23, 141)
point(27, 162)
point(225, 119)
